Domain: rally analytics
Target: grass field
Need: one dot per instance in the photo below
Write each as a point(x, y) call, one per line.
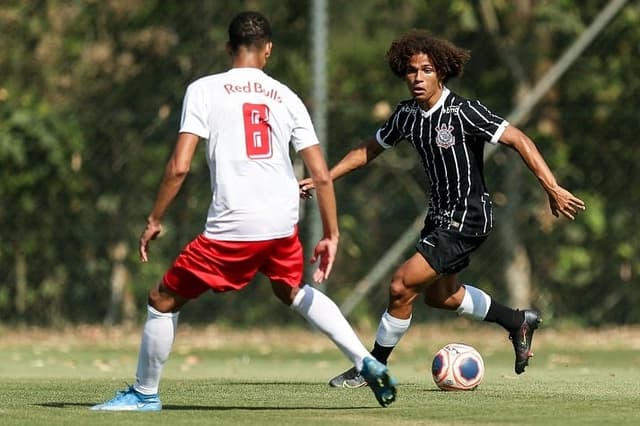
point(271, 377)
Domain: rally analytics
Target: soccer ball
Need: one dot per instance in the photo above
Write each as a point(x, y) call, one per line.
point(457, 367)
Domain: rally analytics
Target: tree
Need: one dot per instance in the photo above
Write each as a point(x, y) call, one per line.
point(90, 105)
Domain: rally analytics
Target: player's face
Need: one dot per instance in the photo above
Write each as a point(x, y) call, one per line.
point(423, 81)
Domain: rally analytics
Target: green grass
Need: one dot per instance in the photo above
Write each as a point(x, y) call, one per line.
point(267, 377)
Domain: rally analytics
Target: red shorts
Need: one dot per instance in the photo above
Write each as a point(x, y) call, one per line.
point(206, 264)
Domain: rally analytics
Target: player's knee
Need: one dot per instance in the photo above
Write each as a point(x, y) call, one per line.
point(399, 292)
point(164, 300)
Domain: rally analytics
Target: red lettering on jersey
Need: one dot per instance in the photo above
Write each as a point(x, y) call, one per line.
point(253, 87)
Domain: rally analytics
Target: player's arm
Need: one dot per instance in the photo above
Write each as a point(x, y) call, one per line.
point(358, 157)
point(175, 173)
point(561, 201)
point(327, 247)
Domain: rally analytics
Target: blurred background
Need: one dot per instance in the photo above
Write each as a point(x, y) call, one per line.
point(90, 100)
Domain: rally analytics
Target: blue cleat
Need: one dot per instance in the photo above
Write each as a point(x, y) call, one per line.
point(130, 400)
point(376, 374)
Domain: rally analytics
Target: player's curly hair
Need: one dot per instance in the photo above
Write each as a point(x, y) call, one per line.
point(249, 29)
point(447, 58)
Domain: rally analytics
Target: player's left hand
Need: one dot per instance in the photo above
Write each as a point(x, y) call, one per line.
point(306, 186)
point(564, 202)
point(325, 251)
point(151, 231)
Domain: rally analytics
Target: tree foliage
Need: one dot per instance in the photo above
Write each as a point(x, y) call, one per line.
point(90, 99)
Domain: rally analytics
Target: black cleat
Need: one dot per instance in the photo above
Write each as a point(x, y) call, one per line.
point(350, 379)
point(523, 337)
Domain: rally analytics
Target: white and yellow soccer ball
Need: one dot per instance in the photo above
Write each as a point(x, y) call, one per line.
point(457, 367)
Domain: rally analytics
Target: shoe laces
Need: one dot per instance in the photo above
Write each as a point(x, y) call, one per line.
point(352, 374)
point(123, 393)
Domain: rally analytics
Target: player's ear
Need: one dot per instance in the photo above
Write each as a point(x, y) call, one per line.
point(268, 48)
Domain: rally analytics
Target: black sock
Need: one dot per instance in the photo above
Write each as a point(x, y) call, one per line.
point(381, 353)
point(510, 319)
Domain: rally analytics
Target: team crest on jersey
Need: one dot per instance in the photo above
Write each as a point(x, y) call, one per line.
point(444, 137)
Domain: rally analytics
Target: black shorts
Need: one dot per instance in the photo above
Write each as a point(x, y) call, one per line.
point(447, 251)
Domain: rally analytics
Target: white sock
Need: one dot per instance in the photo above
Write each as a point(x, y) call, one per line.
point(475, 303)
point(325, 315)
point(391, 330)
point(157, 339)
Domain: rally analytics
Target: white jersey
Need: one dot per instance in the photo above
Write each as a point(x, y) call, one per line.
point(249, 121)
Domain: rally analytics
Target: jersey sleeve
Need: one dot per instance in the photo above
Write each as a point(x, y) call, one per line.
point(390, 133)
point(479, 122)
point(303, 134)
point(194, 112)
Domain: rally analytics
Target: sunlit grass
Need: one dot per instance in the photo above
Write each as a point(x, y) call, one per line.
point(269, 377)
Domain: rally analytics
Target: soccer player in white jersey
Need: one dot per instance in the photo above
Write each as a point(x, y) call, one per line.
point(248, 120)
point(449, 134)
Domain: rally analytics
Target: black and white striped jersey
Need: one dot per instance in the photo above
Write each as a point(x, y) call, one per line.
point(450, 140)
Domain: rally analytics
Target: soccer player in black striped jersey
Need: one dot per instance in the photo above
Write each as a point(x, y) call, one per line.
point(449, 133)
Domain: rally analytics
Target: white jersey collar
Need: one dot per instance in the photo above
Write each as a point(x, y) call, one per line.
point(443, 97)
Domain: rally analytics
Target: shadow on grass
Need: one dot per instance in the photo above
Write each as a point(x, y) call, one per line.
point(242, 384)
point(207, 408)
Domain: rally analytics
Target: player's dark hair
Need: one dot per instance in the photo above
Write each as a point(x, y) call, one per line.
point(447, 58)
point(249, 29)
